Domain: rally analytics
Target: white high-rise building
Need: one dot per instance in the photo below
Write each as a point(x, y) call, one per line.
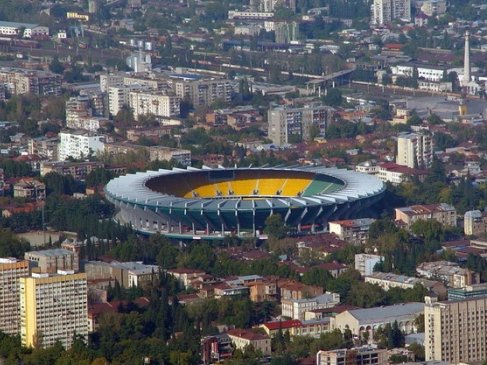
point(53, 308)
point(11, 270)
point(414, 150)
point(385, 11)
point(143, 103)
point(79, 144)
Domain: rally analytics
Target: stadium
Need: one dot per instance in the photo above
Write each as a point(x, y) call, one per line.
point(212, 203)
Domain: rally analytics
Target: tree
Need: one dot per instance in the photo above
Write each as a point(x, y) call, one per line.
point(275, 227)
point(56, 66)
point(333, 97)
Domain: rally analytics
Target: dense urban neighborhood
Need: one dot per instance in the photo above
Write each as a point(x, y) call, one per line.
point(243, 182)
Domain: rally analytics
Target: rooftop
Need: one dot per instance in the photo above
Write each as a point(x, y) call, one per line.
point(385, 313)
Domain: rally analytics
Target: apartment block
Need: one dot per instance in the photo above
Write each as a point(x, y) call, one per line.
point(159, 105)
point(24, 81)
point(385, 11)
point(167, 154)
point(119, 97)
point(353, 231)
point(52, 260)
point(365, 263)
point(450, 273)
point(434, 7)
point(28, 30)
point(474, 222)
point(455, 332)
point(366, 355)
point(291, 125)
point(414, 150)
point(296, 308)
point(204, 91)
point(11, 270)
point(78, 170)
point(44, 147)
point(443, 213)
point(53, 307)
point(79, 144)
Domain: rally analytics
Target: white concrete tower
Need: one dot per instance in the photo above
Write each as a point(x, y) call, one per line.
point(466, 61)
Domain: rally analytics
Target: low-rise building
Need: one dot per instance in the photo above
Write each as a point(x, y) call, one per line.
point(313, 328)
point(389, 280)
point(289, 289)
point(184, 276)
point(366, 355)
point(468, 292)
point(354, 231)
point(443, 213)
point(296, 308)
point(29, 189)
point(54, 259)
point(370, 319)
point(450, 273)
point(242, 339)
point(128, 274)
point(365, 263)
point(24, 30)
point(78, 170)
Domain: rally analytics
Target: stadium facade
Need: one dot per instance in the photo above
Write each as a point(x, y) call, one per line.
point(212, 203)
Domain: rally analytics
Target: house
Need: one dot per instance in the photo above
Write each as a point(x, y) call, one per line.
point(443, 213)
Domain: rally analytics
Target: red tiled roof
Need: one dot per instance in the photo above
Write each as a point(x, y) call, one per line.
point(293, 323)
point(247, 334)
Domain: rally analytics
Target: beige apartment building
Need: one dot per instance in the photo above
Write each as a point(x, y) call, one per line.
point(157, 104)
point(456, 332)
point(355, 356)
point(11, 270)
point(52, 260)
point(443, 213)
point(450, 273)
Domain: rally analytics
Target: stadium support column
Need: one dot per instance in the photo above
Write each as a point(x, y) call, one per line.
point(180, 228)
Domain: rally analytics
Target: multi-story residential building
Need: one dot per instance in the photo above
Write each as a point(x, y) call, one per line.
point(263, 291)
point(450, 273)
point(53, 307)
point(385, 11)
point(204, 91)
point(389, 280)
point(44, 147)
point(77, 107)
point(414, 150)
point(79, 144)
point(365, 263)
point(78, 170)
point(128, 274)
point(185, 276)
point(354, 231)
point(91, 124)
point(443, 213)
point(370, 319)
point(366, 355)
point(111, 80)
point(167, 154)
point(29, 188)
point(455, 332)
point(11, 270)
point(434, 7)
point(242, 339)
point(291, 125)
point(28, 30)
point(159, 105)
point(296, 308)
point(24, 81)
point(474, 222)
point(397, 174)
point(119, 97)
point(152, 133)
point(289, 289)
point(52, 260)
